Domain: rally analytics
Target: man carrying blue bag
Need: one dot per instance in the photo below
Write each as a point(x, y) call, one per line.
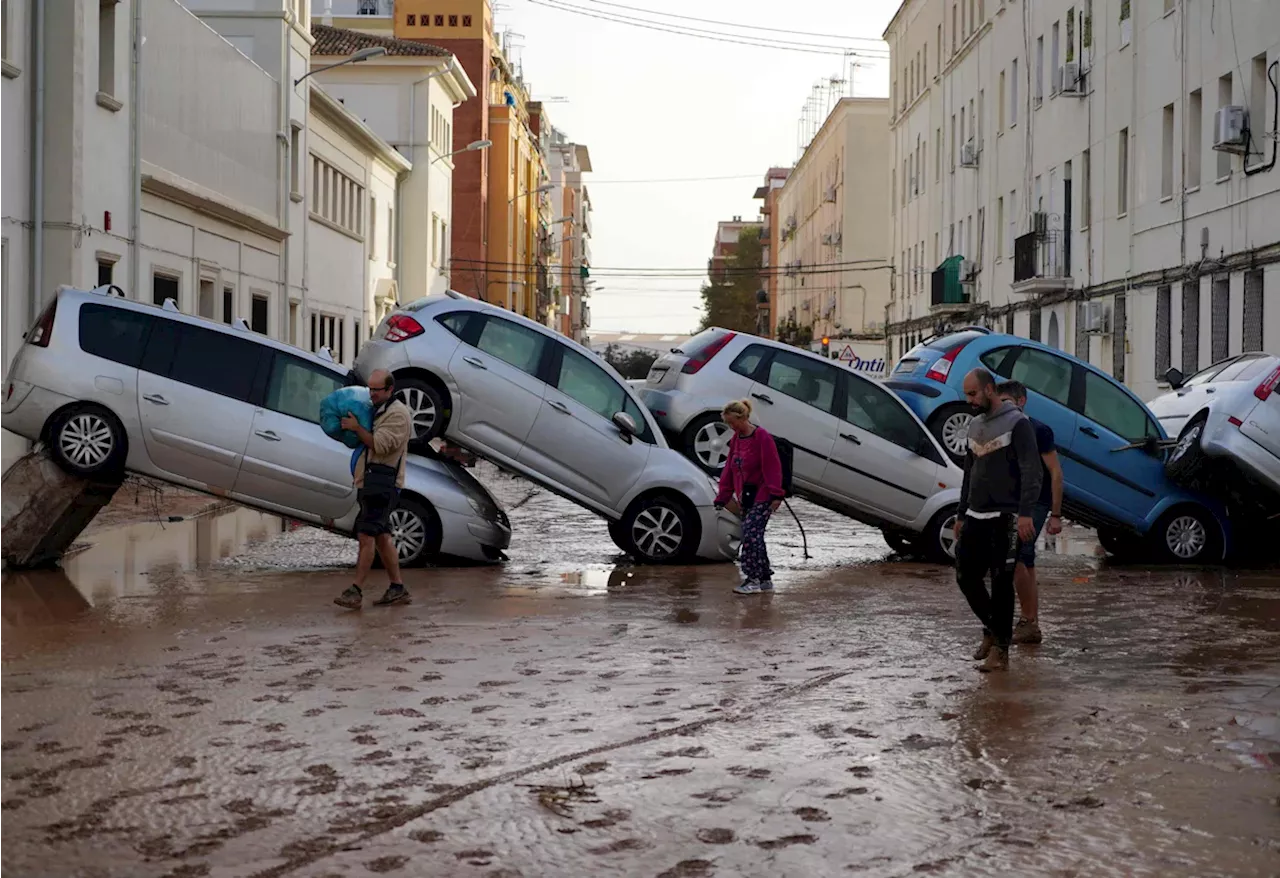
point(379, 476)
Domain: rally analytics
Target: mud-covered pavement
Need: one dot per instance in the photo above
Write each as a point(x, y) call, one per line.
point(572, 715)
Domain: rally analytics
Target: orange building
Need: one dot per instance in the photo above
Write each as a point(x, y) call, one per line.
point(770, 238)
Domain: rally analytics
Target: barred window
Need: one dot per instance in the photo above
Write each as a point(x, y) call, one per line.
point(1034, 332)
point(1219, 319)
point(1190, 327)
point(1164, 302)
point(1117, 337)
point(336, 197)
point(1253, 296)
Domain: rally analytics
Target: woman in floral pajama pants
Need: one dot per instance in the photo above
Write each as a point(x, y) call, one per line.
point(751, 486)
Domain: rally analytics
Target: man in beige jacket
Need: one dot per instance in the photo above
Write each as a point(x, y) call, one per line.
point(379, 476)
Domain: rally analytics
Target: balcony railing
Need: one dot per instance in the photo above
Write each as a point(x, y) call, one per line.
point(1038, 262)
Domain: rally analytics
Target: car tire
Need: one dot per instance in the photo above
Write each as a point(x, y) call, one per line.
point(618, 534)
point(416, 532)
point(427, 407)
point(1120, 544)
point(1186, 535)
point(706, 442)
point(1187, 460)
point(88, 441)
point(938, 542)
point(950, 424)
point(660, 530)
point(898, 542)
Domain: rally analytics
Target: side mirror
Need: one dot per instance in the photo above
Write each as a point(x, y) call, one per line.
point(626, 425)
point(1175, 378)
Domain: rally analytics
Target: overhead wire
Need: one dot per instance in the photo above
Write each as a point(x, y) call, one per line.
point(776, 30)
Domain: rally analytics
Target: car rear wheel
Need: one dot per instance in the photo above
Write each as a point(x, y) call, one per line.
point(938, 542)
point(660, 530)
point(951, 425)
point(706, 442)
point(415, 530)
point(427, 407)
point(1187, 459)
point(1119, 543)
point(1187, 535)
point(88, 441)
point(898, 542)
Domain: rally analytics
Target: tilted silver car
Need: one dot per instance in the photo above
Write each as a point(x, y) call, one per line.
point(111, 385)
point(545, 407)
point(859, 449)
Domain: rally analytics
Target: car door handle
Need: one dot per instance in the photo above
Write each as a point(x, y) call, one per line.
point(763, 397)
point(1090, 432)
point(156, 398)
point(268, 435)
point(1211, 390)
point(559, 406)
point(475, 361)
point(852, 438)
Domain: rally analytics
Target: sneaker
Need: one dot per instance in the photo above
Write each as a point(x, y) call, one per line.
point(997, 660)
point(351, 599)
point(749, 587)
point(1027, 631)
point(395, 594)
point(984, 647)
point(765, 585)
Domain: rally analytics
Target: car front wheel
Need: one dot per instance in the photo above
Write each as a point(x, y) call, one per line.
point(938, 542)
point(415, 530)
point(660, 530)
point(1187, 535)
point(1187, 459)
point(88, 441)
point(951, 425)
point(898, 542)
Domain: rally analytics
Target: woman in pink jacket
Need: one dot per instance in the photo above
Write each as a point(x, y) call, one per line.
point(751, 486)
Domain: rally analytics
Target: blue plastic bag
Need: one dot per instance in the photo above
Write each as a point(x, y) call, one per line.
point(336, 405)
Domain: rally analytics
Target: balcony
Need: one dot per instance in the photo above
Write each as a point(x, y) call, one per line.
point(947, 292)
point(1041, 263)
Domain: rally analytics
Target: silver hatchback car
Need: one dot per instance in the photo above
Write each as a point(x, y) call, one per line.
point(859, 449)
point(546, 408)
point(112, 385)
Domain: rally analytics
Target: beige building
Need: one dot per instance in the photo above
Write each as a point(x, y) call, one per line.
point(834, 243)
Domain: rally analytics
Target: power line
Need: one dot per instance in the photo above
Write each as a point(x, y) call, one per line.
point(832, 50)
point(730, 268)
point(777, 30)
point(590, 183)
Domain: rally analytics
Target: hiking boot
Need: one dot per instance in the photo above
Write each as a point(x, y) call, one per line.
point(750, 587)
point(997, 660)
point(350, 599)
point(395, 594)
point(984, 647)
point(1027, 631)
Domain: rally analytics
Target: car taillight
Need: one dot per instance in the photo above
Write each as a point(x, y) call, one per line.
point(693, 364)
point(402, 326)
point(1268, 385)
point(941, 367)
point(43, 330)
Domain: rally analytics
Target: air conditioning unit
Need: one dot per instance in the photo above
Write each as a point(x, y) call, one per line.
point(1097, 317)
point(826, 239)
point(1072, 79)
point(1229, 126)
point(838, 239)
point(969, 154)
point(968, 270)
point(829, 194)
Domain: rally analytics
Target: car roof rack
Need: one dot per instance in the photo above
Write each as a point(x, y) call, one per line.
point(171, 305)
point(325, 354)
point(106, 290)
point(241, 324)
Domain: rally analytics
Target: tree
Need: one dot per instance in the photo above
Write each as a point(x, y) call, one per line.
point(731, 303)
point(632, 364)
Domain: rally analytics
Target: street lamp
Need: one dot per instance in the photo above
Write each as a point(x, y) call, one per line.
point(355, 58)
point(470, 147)
point(545, 187)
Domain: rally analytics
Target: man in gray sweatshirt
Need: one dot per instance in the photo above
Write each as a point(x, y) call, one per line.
point(999, 492)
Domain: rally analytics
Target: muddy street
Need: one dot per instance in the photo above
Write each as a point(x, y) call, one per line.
point(184, 700)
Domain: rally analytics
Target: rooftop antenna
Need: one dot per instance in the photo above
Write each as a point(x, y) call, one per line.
point(854, 64)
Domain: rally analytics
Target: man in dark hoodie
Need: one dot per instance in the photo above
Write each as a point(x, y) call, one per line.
point(999, 492)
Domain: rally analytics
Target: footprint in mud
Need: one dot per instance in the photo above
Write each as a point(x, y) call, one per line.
point(666, 772)
point(860, 770)
point(386, 864)
point(753, 773)
point(979, 783)
point(612, 817)
point(400, 711)
point(812, 815)
point(786, 841)
point(920, 742)
point(477, 857)
point(690, 752)
point(846, 793)
point(716, 836)
point(427, 836)
point(720, 795)
point(188, 870)
point(859, 733)
point(529, 672)
point(592, 767)
point(689, 869)
point(616, 847)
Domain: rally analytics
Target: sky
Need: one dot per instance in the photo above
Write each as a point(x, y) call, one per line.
point(657, 106)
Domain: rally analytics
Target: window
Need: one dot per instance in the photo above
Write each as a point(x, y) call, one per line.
point(114, 334)
point(1252, 326)
point(1169, 6)
point(456, 322)
point(583, 381)
point(980, 120)
point(926, 61)
point(512, 343)
point(1039, 70)
point(1224, 99)
point(1219, 318)
point(1122, 173)
point(259, 312)
point(391, 235)
point(748, 362)
point(1257, 108)
point(1013, 94)
point(371, 245)
point(215, 362)
point(1086, 191)
point(811, 382)
point(1166, 153)
point(1000, 127)
point(1111, 408)
point(1055, 82)
point(295, 161)
point(876, 411)
point(1190, 327)
point(955, 145)
point(411, 20)
point(5, 52)
point(439, 21)
point(1164, 335)
point(164, 286)
point(296, 387)
point(1044, 373)
point(228, 304)
point(937, 155)
point(955, 26)
point(1000, 227)
point(466, 21)
point(337, 198)
point(1013, 220)
point(1195, 123)
point(107, 47)
point(435, 239)
point(453, 21)
point(1086, 24)
point(977, 250)
point(106, 268)
point(995, 359)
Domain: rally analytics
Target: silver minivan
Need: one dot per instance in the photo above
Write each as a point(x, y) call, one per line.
point(858, 449)
point(111, 385)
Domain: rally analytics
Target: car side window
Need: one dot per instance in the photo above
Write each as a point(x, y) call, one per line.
point(748, 362)
point(1046, 374)
point(994, 359)
point(584, 382)
point(1110, 407)
point(1243, 369)
point(811, 382)
point(872, 409)
point(512, 343)
point(456, 322)
point(296, 387)
point(114, 334)
point(215, 362)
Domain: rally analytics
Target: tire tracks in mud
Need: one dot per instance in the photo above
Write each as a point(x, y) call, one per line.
point(322, 850)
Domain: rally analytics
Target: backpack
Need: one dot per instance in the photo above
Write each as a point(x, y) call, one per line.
point(786, 454)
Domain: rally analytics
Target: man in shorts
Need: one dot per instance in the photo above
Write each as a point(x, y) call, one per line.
point(1048, 507)
point(379, 476)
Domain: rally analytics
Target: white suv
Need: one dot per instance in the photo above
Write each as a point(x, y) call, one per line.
point(547, 408)
point(859, 449)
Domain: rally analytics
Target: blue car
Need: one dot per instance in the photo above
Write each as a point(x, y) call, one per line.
point(1111, 447)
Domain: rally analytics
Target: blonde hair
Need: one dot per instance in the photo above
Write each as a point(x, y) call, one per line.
point(739, 408)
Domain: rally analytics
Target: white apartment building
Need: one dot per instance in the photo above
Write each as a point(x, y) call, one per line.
point(406, 97)
point(1054, 174)
point(571, 238)
point(834, 253)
